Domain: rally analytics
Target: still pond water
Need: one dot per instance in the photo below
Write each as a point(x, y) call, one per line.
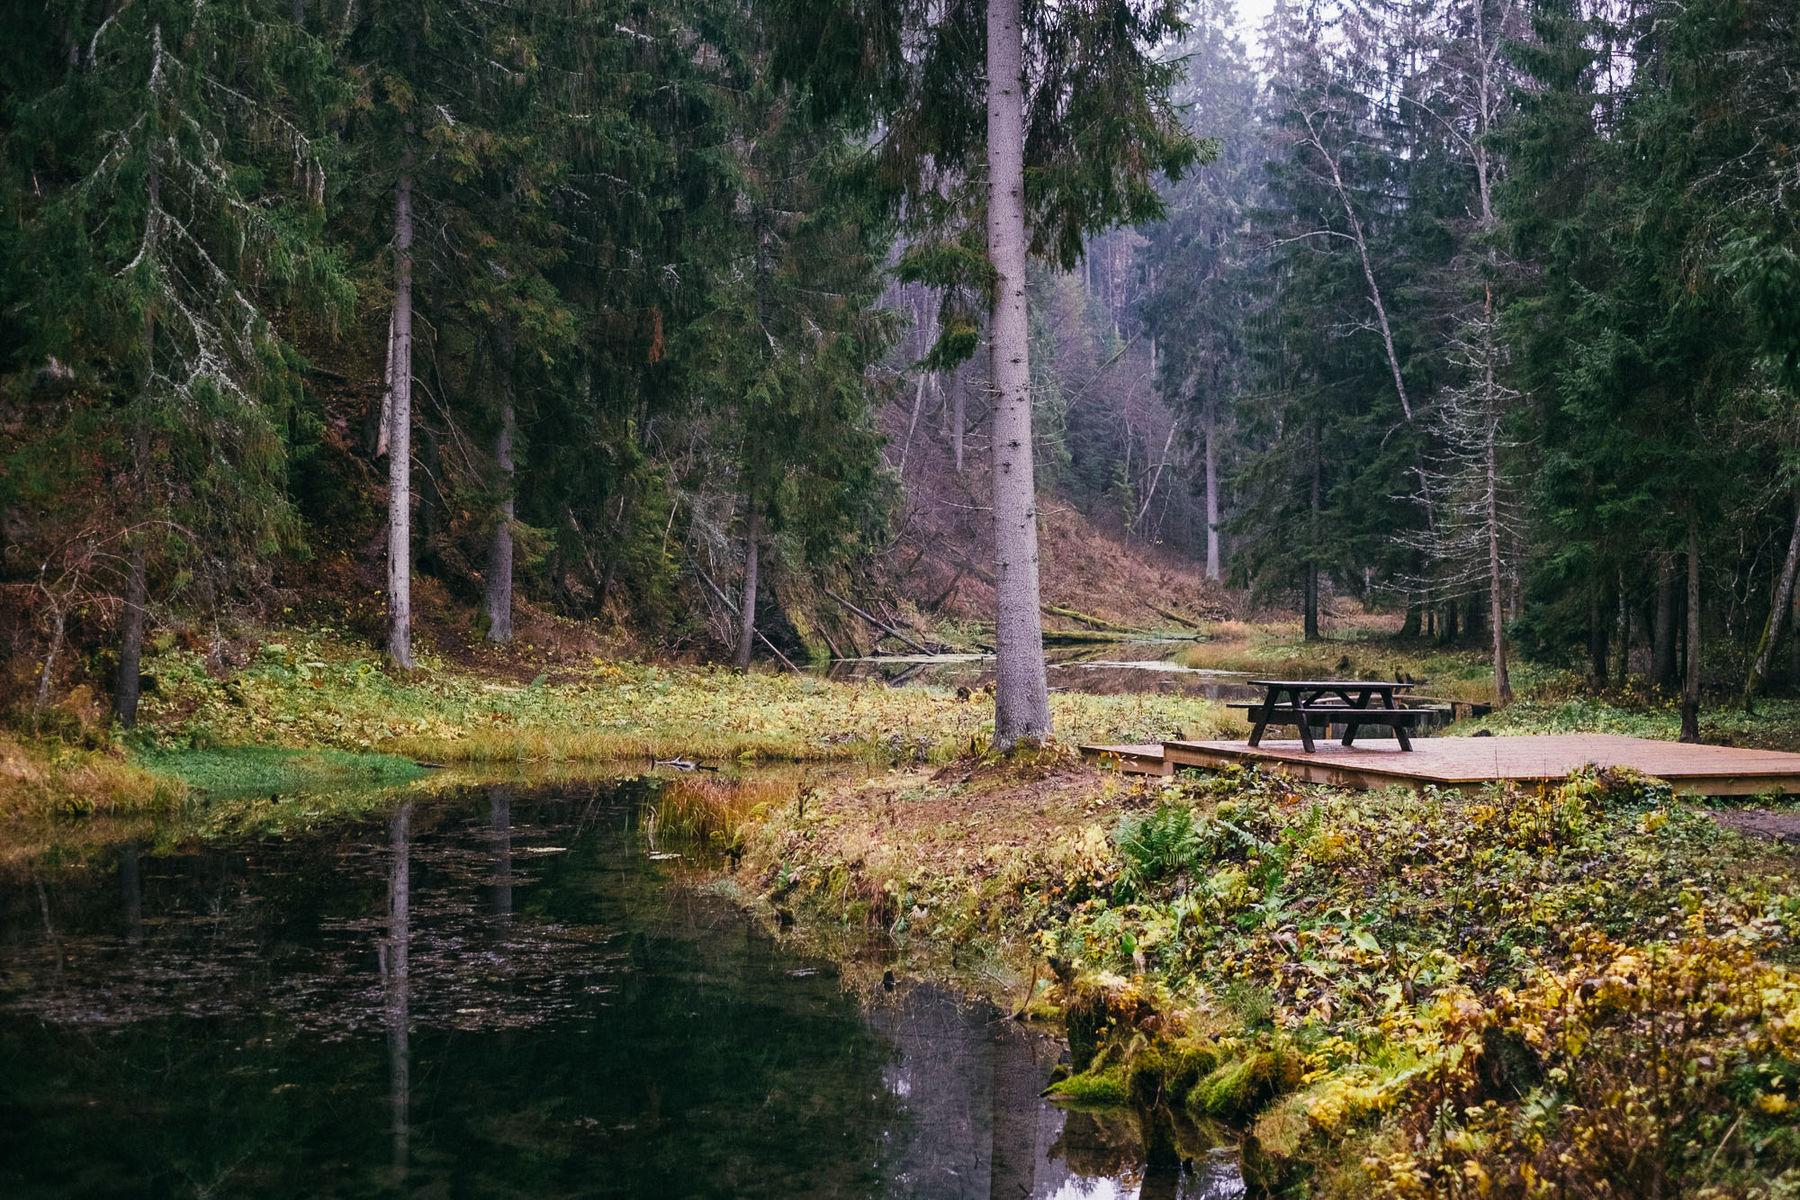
point(505, 992)
point(1105, 668)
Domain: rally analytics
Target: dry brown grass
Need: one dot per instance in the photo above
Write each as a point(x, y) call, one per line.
point(38, 779)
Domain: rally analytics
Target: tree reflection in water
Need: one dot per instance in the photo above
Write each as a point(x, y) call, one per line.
point(548, 1012)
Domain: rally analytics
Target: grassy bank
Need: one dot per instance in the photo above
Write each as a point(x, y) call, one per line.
point(1588, 991)
point(318, 689)
point(1363, 649)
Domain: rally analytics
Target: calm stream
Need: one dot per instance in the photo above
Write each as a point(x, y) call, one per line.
point(506, 992)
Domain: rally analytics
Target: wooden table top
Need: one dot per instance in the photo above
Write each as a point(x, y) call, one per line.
point(1348, 685)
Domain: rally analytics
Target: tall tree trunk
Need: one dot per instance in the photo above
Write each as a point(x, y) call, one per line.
point(1021, 693)
point(1690, 688)
point(913, 425)
point(59, 626)
point(959, 420)
point(1496, 582)
point(1310, 602)
point(500, 553)
point(137, 582)
point(1662, 645)
point(747, 610)
point(1771, 635)
point(131, 640)
point(400, 430)
point(1599, 634)
point(1212, 482)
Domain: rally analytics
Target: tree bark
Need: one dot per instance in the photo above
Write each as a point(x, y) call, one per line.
point(913, 425)
point(1690, 688)
point(747, 609)
point(1662, 648)
point(1021, 692)
point(959, 420)
point(400, 430)
point(1309, 617)
point(500, 553)
point(1771, 635)
point(137, 584)
point(131, 640)
point(1212, 484)
point(1599, 634)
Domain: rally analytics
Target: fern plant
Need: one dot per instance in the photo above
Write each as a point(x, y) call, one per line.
point(1156, 846)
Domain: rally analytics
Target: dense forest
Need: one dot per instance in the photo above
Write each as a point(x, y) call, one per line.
point(675, 317)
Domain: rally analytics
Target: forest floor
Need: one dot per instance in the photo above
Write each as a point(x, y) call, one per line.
point(1558, 992)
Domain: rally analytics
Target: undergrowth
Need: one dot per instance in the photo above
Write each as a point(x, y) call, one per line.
point(1588, 989)
point(243, 770)
point(323, 690)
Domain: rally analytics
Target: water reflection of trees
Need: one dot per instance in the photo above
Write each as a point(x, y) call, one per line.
point(508, 997)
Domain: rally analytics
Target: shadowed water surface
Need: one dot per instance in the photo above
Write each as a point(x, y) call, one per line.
point(504, 993)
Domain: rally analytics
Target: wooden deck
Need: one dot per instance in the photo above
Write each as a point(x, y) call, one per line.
point(1473, 763)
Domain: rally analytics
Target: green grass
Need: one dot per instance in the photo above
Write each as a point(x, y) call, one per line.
point(1280, 651)
point(319, 689)
point(1775, 725)
point(266, 770)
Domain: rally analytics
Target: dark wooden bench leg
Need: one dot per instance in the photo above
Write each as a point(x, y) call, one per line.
point(1400, 734)
point(1305, 730)
point(1262, 720)
point(1349, 733)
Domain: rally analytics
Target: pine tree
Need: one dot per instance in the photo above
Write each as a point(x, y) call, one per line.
point(180, 205)
point(1093, 126)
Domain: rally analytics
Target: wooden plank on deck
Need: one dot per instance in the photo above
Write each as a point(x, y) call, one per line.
point(1133, 760)
point(1471, 763)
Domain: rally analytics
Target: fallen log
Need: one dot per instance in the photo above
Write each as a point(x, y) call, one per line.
point(877, 622)
point(1177, 618)
point(1081, 618)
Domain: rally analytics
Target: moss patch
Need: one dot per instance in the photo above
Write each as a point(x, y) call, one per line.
point(271, 770)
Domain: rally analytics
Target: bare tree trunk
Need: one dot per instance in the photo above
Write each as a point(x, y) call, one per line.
point(1599, 635)
point(1212, 484)
point(1362, 249)
point(137, 583)
point(59, 622)
point(1662, 649)
point(1310, 603)
point(747, 610)
point(400, 430)
point(1502, 683)
point(913, 425)
point(500, 554)
point(1784, 595)
point(1021, 694)
point(1690, 688)
point(959, 419)
point(131, 640)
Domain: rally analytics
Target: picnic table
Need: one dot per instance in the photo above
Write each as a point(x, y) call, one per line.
point(1327, 702)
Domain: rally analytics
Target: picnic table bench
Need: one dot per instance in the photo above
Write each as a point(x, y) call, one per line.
point(1328, 702)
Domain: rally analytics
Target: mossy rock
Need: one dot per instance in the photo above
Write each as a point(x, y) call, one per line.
point(1239, 1089)
point(1102, 1088)
point(1164, 1074)
point(1097, 1008)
